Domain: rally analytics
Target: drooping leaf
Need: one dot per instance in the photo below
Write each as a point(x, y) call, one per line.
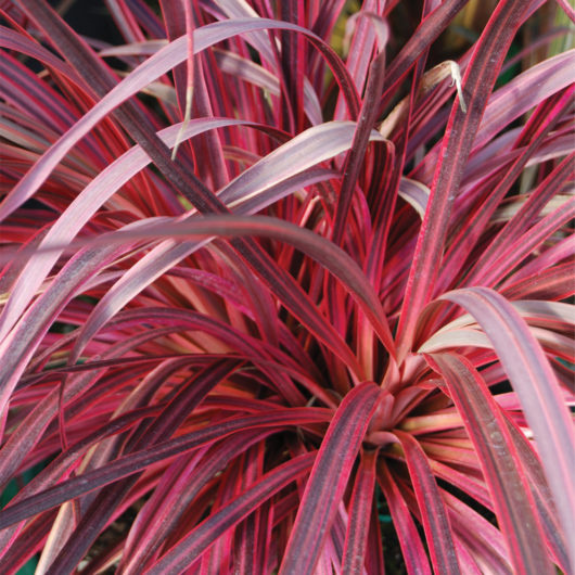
point(501, 465)
point(536, 385)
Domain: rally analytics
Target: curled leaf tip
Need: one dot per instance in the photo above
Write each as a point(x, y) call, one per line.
point(187, 116)
point(456, 79)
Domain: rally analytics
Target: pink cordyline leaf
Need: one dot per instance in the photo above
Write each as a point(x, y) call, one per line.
point(414, 554)
point(20, 86)
point(259, 39)
point(178, 487)
point(323, 251)
point(253, 535)
point(439, 534)
point(356, 538)
point(360, 51)
point(480, 536)
point(22, 441)
point(328, 480)
point(305, 150)
point(464, 242)
point(559, 253)
point(514, 99)
point(157, 65)
point(61, 465)
point(374, 547)
point(293, 64)
point(536, 385)
point(180, 18)
point(321, 143)
point(552, 316)
point(99, 507)
point(198, 540)
point(135, 462)
point(11, 40)
point(501, 465)
point(551, 284)
point(21, 343)
point(509, 103)
point(356, 154)
point(552, 342)
point(189, 30)
point(514, 254)
point(28, 544)
point(246, 536)
point(540, 491)
point(478, 82)
point(415, 193)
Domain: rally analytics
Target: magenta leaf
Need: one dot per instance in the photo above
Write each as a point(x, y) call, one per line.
point(189, 549)
point(501, 465)
point(326, 253)
point(228, 231)
point(478, 81)
point(356, 539)
point(438, 531)
point(133, 463)
point(536, 385)
point(328, 480)
point(412, 547)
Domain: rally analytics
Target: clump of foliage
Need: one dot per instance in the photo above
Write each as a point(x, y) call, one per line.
point(261, 298)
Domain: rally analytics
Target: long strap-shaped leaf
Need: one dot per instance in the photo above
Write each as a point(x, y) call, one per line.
point(554, 284)
point(548, 188)
point(65, 462)
point(98, 508)
point(162, 513)
point(328, 480)
point(333, 258)
point(19, 347)
point(135, 462)
point(468, 235)
point(201, 538)
point(414, 554)
point(501, 465)
point(438, 531)
point(100, 81)
point(460, 132)
point(356, 154)
point(527, 243)
point(537, 387)
point(356, 538)
point(547, 511)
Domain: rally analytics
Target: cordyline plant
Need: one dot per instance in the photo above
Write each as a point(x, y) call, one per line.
point(269, 307)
